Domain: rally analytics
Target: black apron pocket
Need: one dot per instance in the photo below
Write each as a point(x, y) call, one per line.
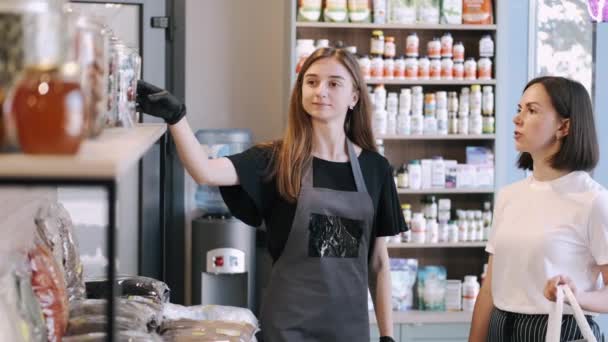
point(334, 236)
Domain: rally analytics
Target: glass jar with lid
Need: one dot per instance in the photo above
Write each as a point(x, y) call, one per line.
point(46, 102)
point(88, 47)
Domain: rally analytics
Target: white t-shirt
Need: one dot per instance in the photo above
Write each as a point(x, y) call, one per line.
point(543, 229)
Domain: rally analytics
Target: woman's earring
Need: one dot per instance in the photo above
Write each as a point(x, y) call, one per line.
point(351, 107)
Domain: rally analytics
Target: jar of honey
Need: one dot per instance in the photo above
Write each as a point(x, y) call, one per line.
point(46, 102)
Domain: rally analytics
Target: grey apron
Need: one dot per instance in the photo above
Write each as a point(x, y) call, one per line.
point(318, 287)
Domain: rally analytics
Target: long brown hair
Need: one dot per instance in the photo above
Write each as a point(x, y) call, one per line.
point(295, 150)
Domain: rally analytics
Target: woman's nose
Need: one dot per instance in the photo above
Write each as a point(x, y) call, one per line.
point(321, 90)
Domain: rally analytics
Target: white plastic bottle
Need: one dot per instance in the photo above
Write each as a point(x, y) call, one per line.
point(405, 100)
point(432, 230)
point(470, 290)
point(380, 121)
point(392, 103)
point(418, 228)
point(391, 123)
point(415, 173)
point(404, 124)
point(417, 123)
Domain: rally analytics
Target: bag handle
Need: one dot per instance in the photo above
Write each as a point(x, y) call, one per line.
point(554, 325)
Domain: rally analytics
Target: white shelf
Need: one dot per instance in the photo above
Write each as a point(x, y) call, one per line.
point(437, 137)
point(106, 157)
point(418, 317)
point(439, 191)
point(429, 82)
point(453, 27)
point(437, 245)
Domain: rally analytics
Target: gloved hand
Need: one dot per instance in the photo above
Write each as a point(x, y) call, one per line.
point(386, 339)
point(159, 102)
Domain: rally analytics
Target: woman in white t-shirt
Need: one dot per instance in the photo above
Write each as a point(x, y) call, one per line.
point(550, 228)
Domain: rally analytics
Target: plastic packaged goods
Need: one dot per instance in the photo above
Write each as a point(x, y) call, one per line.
point(207, 331)
point(424, 68)
point(435, 69)
point(404, 123)
point(359, 11)
point(451, 12)
point(447, 69)
point(470, 290)
point(447, 43)
point(98, 323)
point(174, 312)
point(486, 46)
point(431, 288)
point(377, 43)
point(388, 68)
point(10, 331)
point(428, 11)
point(399, 68)
point(412, 45)
point(458, 52)
point(411, 68)
point(377, 67)
point(365, 64)
point(56, 230)
point(433, 48)
point(477, 12)
point(309, 10)
point(403, 278)
point(380, 122)
point(130, 286)
point(458, 71)
point(389, 47)
point(29, 307)
point(380, 7)
point(49, 287)
point(401, 11)
point(121, 336)
point(304, 48)
point(453, 298)
point(18, 305)
point(140, 310)
point(484, 69)
point(470, 69)
point(335, 11)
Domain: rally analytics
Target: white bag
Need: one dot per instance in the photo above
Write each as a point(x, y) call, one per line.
point(555, 317)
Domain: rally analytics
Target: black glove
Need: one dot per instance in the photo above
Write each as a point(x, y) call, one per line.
point(159, 102)
point(386, 339)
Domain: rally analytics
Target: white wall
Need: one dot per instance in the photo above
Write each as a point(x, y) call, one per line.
point(235, 65)
point(236, 55)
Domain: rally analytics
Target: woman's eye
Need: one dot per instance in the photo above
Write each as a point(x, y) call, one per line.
point(310, 82)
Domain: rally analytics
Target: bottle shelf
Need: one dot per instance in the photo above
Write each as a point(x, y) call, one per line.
point(476, 244)
point(437, 137)
point(429, 82)
point(439, 191)
point(372, 26)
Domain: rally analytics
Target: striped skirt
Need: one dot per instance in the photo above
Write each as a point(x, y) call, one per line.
point(514, 327)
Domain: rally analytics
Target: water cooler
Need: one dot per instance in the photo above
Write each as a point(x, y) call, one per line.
point(223, 247)
point(223, 262)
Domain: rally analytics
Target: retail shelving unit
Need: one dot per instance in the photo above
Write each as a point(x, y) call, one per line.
point(99, 163)
point(460, 259)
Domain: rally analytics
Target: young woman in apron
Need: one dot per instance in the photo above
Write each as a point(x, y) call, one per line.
point(550, 228)
point(326, 196)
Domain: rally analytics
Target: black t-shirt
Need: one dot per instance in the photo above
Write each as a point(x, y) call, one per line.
point(256, 199)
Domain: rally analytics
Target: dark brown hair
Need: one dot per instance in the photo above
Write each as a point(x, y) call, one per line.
point(579, 150)
point(295, 149)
